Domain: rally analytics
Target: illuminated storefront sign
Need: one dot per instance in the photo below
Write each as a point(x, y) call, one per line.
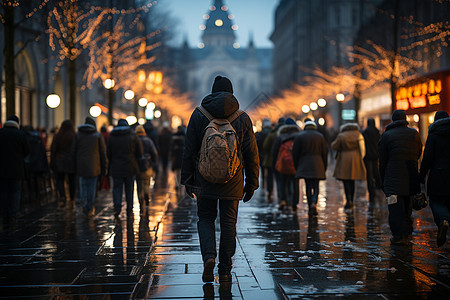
point(419, 95)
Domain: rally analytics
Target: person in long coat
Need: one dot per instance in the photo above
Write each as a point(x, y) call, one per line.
point(61, 161)
point(176, 153)
point(13, 150)
point(399, 149)
point(88, 150)
point(349, 167)
point(310, 153)
point(124, 150)
point(436, 164)
point(289, 190)
point(372, 138)
point(221, 103)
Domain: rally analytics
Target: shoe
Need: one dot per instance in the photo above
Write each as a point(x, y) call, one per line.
point(399, 241)
point(442, 233)
point(348, 205)
point(282, 205)
point(313, 210)
point(224, 278)
point(208, 269)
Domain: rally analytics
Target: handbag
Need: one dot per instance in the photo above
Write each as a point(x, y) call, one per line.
point(419, 201)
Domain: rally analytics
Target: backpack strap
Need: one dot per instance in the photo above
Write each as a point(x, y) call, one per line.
point(205, 112)
point(230, 119)
point(234, 115)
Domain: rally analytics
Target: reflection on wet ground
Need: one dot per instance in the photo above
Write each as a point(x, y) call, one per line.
point(280, 254)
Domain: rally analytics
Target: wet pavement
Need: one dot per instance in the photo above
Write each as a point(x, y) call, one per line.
point(54, 253)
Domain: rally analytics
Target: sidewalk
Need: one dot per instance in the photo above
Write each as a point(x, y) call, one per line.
point(286, 255)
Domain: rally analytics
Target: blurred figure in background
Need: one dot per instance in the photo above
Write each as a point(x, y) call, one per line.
point(266, 173)
point(61, 161)
point(436, 164)
point(349, 167)
point(268, 159)
point(143, 178)
point(164, 140)
point(88, 150)
point(13, 150)
point(176, 153)
point(371, 138)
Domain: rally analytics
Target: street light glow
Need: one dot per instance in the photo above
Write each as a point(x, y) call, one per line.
point(95, 111)
point(321, 121)
point(305, 109)
point(313, 106)
point(143, 102)
point(340, 97)
point(109, 83)
point(53, 100)
point(157, 114)
point(131, 120)
point(322, 102)
point(151, 106)
point(129, 94)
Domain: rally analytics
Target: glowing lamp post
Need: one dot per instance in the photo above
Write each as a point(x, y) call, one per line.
point(95, 111)
point(53, 100)
point(143, 102)
point(340, 98)
point(322, 102)
point(129, 94)
point(109, 85)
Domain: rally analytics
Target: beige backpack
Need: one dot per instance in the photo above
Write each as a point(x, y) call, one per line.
point(219, 159)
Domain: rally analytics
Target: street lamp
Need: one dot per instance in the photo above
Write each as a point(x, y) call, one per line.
point(305, 109)
point(95, 111)
point(340, 98)
point(53, 100)
point(109, 83)
point(322, 102)
point(143, 102)
point(129, 94)
point(313, 106)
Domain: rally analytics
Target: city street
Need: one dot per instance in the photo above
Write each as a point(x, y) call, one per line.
point(55, 253)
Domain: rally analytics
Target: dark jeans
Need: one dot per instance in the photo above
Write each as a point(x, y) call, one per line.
point(400, 220)
point(373, 177)
point(269, 179)
point(60, 185)
point(88, 188)
point(10, 198)
point(207, 214)
point(118, 185)
point(440, 206)
point(312, 191)
point(289, 189)
point(349, 188)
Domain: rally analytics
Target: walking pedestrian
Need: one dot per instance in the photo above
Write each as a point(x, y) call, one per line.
point(164, 141)
point(61, 162)
point(176, 153)
point(350, 148)
point(399, 150)
point(310, 154)
point(268, 160)
point(88, 150)
point(13, 150)
point(372, 138)
point(436, 164)
point(289, 189)
point(266, 174)
point(143, 178)
point(221, 103)
point(124, 150)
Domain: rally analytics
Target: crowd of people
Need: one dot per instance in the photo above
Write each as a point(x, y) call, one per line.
point(83, 160)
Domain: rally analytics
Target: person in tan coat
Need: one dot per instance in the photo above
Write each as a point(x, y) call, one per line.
point(350, 148)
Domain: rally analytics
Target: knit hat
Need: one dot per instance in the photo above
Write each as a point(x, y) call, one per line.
point(90, 121)
point(222, 84)
point(310, 124)
point(13, 118)
point(440, 115)
point(399, 114)
point(140, 130)
point(290, 121)
point(122, 122)
point(281, 121)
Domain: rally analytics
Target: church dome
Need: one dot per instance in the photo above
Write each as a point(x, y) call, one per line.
point(218, 27)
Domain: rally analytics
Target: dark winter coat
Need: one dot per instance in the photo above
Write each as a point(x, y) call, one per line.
point(88, 150)
point(284, 133)
point(221, 105)
point(436, 159)
point(176, 149)
point(61, 159)
point(399, 149)
point(310, 153)
point(260, 138)
point(149, 148)
point(371, 138)
point(124, 149)
point(267, 147)
point(13, 150)
point(351, 149)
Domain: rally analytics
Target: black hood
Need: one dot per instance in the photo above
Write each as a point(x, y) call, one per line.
point(121, 130)
point(398, 123)
point(220, 104)
point(87, 128)
point(440, 127)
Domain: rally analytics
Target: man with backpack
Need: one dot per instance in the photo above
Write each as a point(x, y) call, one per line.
point(220, 147)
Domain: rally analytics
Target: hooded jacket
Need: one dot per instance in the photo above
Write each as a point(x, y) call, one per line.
point(436, 159)
point(284, 133)
point(399, 149)
point(351, 150)
point(220, 105)
point(124, 149)
point(88, 149)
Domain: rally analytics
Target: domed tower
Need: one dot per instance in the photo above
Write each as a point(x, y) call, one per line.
point(218, 27)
